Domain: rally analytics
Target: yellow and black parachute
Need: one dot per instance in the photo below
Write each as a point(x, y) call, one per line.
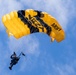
point(23, 22)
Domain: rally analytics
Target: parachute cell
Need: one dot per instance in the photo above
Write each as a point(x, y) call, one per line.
point(24, 22)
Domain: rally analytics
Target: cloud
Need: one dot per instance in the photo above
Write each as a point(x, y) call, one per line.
point(59, 68)
point(65, 69)
point(29, 44)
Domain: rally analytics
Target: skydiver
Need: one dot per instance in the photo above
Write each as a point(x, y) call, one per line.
point(14, 60)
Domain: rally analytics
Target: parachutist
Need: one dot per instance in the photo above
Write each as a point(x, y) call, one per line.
point(15, 59)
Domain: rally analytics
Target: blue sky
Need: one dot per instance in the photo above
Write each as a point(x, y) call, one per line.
point(43, 57)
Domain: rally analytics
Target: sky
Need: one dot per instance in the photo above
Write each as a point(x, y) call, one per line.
point(42, 56)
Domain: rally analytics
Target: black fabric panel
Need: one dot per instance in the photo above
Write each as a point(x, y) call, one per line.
point(21, 14)
point(39, 13)
point(48, 28)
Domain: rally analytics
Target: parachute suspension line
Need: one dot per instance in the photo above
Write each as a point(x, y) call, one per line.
point(25, 21)
point(19, 45)
point(21, 54)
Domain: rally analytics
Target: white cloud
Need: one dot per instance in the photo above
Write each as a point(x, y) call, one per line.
point(65, 69)
point(27, 44)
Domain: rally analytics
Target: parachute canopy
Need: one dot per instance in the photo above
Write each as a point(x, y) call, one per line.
point(23, 22)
